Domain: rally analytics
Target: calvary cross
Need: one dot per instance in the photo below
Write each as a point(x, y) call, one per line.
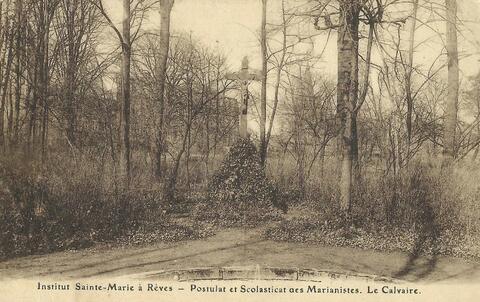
point(244, 76)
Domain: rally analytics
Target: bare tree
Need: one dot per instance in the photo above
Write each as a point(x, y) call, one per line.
point(347, 89)
point(263, 96)
point(191, 95)
point(165, 11)
point(7, 39)
point(39, 106)
point(282, 55)
point(453, 80)
point(409, 73)
point(75, 28)
point(308, 122)
point(126, 38)
point(349, 97)
point(18, 68)
point(126, 63)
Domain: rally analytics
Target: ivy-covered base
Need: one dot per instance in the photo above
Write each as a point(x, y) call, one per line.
point(239, 194)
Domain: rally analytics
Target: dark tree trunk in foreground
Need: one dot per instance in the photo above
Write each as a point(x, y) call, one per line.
point(347, 89)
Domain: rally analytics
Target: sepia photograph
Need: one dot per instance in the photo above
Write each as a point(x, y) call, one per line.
point(239, 150)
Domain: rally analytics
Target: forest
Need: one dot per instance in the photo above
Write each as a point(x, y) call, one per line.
point(363, 122)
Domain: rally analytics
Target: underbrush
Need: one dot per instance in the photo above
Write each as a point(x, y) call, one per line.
point(239, 193)
point(51, 208)
point(421, 211)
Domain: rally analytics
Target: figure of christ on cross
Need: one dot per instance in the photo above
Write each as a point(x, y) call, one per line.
point(244, 76)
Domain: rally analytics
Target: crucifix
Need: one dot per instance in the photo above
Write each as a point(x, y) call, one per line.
point(244, 76)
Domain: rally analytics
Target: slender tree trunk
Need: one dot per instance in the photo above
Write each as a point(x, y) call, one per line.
point(169, 191)
point(33, 104)
point(322, 160)
point(126, 57)
point(263, 96)
point(408, 79)
point(217, 113)
point(44, 80)
point(207, 145)
point(300, 137)
point(189, 132)
point(5, 86)
point(10, 115)
point(453, 82)
point(165, 12)
point(207, 125)
point(18, 70)
point(278, 76)
point(477, 149)
point(347, 89)
point(357, 104)
point(2, 35)
point(70, 76)
point(9, 39)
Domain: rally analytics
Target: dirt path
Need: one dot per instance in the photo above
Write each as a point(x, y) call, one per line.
point(235, 247)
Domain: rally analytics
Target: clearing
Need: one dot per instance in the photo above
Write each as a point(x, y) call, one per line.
point(236, 247)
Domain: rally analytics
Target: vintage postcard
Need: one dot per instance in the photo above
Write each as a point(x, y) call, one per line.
point(239, 150)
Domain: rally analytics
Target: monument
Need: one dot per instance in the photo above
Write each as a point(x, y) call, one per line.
point(244, 76)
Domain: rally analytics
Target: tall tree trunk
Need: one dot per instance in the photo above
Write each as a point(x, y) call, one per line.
point(217, 112)
point(33, 104)
point(4, 89)
point(408, 79)
point(2, 34)
point(10, 114)
point(263, 96)
point(450, 121)
point(5, 78)
point(165, 12)
point(44, 79)
point(38, 107)
point(18, 70)
point(70, 76)
point(126, 57)
point(170, 186)
point(278, 80)
point(347, 90)
point(358, 102)
point(355, 153)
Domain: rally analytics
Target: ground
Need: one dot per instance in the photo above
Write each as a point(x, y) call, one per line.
point(236, 247)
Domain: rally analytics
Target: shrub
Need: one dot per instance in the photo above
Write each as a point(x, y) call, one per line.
point(239, 192)
point(421, 210)
point(42, 212)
